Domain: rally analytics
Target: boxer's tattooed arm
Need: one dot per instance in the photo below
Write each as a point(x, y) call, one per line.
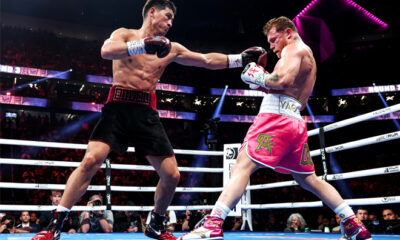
point(273, 77)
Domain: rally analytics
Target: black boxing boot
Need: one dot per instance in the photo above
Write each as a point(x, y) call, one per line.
point(53, 230)
point(156, 228)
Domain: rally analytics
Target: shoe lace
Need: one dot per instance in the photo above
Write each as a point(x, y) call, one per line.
point(201, 222)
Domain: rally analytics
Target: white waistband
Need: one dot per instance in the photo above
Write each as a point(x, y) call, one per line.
point(281, 104)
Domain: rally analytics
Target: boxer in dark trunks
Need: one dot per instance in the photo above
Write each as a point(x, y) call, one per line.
point(139, 57)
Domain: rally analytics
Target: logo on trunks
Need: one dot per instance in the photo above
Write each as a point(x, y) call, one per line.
point(132, 96)
point(289, 106)
point(264, 142)
point(306, 156)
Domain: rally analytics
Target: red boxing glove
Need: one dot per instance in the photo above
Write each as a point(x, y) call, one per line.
point(151, 45)
point(253, 54)
point(263, 60)
point(158, 44)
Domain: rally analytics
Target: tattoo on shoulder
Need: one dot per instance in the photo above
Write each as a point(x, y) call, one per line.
point(310, 61)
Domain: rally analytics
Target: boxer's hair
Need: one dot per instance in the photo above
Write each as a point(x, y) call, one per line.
point(280, 23)
point(158, 4)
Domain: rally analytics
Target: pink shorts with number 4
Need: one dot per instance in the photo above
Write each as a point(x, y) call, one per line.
point(279, 142)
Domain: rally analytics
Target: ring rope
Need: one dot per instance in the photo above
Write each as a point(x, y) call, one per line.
point(340, 147)
point(357, 119)
point(51, 163)
point(329, 127)
point(6, 141)
point(359, 143)
point(45, 186)
point(352, 202)
point(332, 177)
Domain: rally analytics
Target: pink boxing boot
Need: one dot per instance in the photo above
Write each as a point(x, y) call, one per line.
point(354, 229)
point(209, 227)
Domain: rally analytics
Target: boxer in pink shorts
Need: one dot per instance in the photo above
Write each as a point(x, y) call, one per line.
point(279, 142)
point(278, 136)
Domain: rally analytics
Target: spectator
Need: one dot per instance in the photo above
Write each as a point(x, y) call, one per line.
point(388, 214)
point(34, 218)
point(295, 223)
point(272, 224)
point(26, 226)
point(337, 229)
point(96, 221)
point(324, 225)
point(192, 217)
point(237, 223)
point(70, 225)
point(372, 216)
point(171, 220)
point(7, 224)
point(362, 213)
point(185, 224)
point(128, 221)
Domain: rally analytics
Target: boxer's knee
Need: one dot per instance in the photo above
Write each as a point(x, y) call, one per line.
point(173, 178)
point(308, 182)
point(90, 163)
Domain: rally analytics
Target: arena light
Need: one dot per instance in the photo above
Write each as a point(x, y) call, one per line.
point(35, 82)
point(372, 18)
point(396, 123)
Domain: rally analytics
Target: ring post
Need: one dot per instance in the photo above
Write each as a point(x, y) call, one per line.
point(231, 152)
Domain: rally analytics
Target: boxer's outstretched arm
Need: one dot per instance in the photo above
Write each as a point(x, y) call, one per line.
point(186, 57)
point(115, 47)
point(286, 70)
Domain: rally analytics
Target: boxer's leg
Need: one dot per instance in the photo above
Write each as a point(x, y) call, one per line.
point(77, 184)
point(167, 169)
point(352, 228)
point(80, 178)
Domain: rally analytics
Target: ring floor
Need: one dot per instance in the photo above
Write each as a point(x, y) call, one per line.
point(227, 235)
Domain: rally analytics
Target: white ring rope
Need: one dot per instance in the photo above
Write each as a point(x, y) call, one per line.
point(51, 163)
point(359, 143)
point(84, 146)
point(357, 119)
point(340, 147)
point(97, 208)
point(336, 148)
point(44, 186)
point(352, 202)
point(332, 177)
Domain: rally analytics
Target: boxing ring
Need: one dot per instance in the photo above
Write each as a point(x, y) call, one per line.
point(229, 154)
point(242, 235)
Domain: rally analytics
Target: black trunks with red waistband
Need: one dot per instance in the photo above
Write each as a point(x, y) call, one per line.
point(128, 95)
point(129, 118)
